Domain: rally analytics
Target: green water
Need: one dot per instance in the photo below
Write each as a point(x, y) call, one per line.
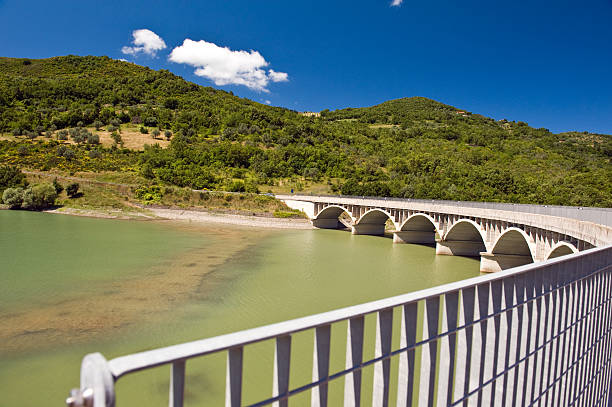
point(70, 286)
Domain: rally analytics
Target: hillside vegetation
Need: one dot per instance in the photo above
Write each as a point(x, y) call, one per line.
point(52, 109)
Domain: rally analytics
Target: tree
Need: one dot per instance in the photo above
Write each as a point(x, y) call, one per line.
point(93, 139)
point(66, 152)
point(72, 189)
point(171, 103)
point(11, 177)
point(155, 133)
point(117, 138)
point(13, 197)
point(98, 125)
point(39, 196)
point(168, 134)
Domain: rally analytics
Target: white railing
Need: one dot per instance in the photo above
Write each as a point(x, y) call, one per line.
point(539, 334)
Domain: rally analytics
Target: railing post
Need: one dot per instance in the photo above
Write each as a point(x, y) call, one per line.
point(511, 335)
point(320, 365)
point(464, 345)
point(282, 359)
point(405, 382)
point(447, 349)
point(354, 357)
point(233, 382)
point(429, 352)
point(384, 324)
point(177, 384)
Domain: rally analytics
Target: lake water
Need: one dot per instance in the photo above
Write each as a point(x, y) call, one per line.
point(71, 286)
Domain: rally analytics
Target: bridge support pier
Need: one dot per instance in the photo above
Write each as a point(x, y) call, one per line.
point(326, 223)
point(459, 248)
point(494, 262)
point(376, 229)
point(414, 236)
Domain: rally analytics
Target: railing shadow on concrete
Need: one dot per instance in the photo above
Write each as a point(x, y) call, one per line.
point(539, 334)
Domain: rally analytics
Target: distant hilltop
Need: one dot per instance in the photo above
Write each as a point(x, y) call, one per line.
point(311, 114)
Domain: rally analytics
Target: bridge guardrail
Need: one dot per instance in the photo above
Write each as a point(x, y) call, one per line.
point(535, 334)
point(602, 216)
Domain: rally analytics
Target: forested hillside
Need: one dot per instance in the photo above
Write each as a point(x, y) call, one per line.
point(51, 109)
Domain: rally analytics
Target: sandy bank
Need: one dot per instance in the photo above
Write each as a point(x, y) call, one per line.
point(253, 221)
point(189, 215)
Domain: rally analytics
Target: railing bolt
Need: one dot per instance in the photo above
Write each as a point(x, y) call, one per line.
point(80, 398)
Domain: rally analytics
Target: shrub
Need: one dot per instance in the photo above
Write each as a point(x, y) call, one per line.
point(149, 194)
point(66, 152)
point(155, 133)
point(13, 197)
point(285, 214)
point(144, 130)
point(72, 189)
point(237, 186)
point(150, 121)
point(98, 124)
point(168, 134)
point(39, 197)
point(58, 187)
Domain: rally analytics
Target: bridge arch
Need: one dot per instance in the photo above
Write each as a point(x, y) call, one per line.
point(327, 218)
point(332, 211)
point(514, 241)
point(512, 248)
point(561, 249)
point(419, 221)
point(465, 229)
point(419, 228)
point(464, 238)
point(373, 222)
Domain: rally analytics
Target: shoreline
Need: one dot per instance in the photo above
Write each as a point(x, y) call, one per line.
point(188, 215)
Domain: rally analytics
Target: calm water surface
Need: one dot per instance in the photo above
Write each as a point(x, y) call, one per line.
point(70, 286)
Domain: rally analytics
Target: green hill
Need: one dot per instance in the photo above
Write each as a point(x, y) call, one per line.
point(412, 147)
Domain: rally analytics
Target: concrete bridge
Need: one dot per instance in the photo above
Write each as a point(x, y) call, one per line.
point(502, 235)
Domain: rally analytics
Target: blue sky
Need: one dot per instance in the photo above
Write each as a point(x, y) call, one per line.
point(547, 63)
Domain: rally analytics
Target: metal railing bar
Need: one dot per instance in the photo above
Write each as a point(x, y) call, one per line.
point(586, 386)
point(515, 365)
point(396, 352)
point(527, 356)
point(139, 361)
point(602, 337)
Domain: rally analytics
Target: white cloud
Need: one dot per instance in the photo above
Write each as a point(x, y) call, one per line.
point(226, 67)
point(145, 41)
point(268, 102)
point(396, 3)
point(277, 76)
